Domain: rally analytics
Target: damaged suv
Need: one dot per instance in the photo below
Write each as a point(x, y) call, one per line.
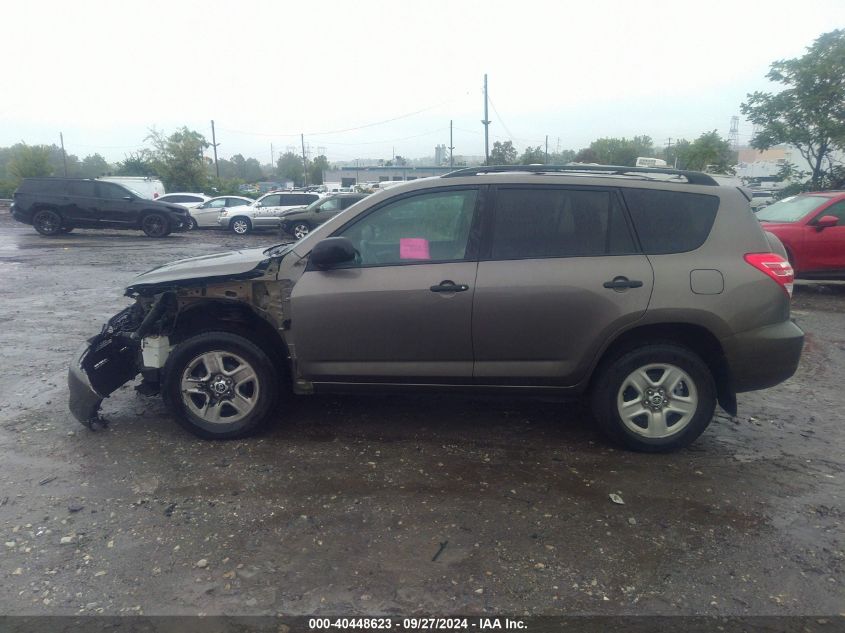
point(654, 292)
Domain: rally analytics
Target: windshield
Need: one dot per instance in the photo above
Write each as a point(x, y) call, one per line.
point(790, 209)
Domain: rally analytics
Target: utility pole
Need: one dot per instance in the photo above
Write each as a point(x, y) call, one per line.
point(547, 149)
point(451, 148)
point(304, 160)
point(486, 123)
point(64, 155)
point(272, 156)
point(214, 145)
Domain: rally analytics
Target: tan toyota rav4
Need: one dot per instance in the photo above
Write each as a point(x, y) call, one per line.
point(655, 293)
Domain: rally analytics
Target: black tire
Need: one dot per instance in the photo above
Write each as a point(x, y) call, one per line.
point(194, 225)
point(155, 225)
point(240, 225)
point(699, 397)
point(182, 364)
point(300, 229)
point(47, 222)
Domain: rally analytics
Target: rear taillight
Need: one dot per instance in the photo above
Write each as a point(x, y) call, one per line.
point(775, 267)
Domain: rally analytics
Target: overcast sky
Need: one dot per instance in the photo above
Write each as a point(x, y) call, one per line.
point(105, 72)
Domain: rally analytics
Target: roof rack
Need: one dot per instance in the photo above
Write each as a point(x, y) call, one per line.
point(693, 177)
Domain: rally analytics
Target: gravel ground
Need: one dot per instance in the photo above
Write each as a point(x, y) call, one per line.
point(344, 505)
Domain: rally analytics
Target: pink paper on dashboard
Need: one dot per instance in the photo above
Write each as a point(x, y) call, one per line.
point(413, 248)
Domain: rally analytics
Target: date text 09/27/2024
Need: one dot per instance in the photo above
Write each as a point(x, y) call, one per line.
point(416, 624)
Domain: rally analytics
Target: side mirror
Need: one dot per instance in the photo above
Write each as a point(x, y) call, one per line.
point(332, 251)
point(258, 205)
point(826, 221)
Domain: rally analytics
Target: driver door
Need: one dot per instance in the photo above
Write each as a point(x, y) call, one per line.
point(402, 312)
point(267, 214)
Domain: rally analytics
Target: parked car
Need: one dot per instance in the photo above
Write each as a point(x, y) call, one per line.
point(812, 229)
point(264, 213)
point(656, 298)
point(147, 187)
point(300, 221)
point(187, 200)
point(760, 199)
point(207, 213)
point(58, 205)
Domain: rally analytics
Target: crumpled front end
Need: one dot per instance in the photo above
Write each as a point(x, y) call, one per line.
point(109, 360)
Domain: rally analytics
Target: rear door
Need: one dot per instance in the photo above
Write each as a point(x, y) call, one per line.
point(81, 202)
point(560, 272)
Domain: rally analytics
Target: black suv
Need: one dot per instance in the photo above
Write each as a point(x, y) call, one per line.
point(58, 205)
point(299, 222)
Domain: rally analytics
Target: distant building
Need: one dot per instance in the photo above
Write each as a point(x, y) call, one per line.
point(350, 175)
point(440, 155)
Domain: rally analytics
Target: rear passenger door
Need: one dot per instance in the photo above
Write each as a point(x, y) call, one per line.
point(560, 273)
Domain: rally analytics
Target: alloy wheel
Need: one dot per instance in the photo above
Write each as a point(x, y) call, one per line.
point(657, 400)
point(219, 387)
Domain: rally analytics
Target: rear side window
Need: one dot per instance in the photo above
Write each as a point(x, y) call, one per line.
point(82, 188)
point(670, 221)
point(111, 191)
point(537, 223)
point(298, 199)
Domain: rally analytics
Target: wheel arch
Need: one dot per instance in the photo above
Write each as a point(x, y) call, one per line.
point(237, 318)
point(694, 337)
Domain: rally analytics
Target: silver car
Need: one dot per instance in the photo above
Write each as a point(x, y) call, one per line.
point(264, 213)
point(208, 213)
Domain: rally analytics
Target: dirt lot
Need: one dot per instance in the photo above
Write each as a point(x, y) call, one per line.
point(342, 506)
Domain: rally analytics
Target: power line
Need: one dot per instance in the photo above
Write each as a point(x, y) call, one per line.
point(344, 130)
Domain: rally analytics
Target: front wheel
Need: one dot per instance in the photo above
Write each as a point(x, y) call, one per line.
point(220, 385)
point(47, 222)
point(155, 225)
point(656, 398)
point(300, 230)
point(241, 226)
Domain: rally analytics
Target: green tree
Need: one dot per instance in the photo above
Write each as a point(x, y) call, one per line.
point(138, 163)
point(708, 151)
point(29, 161)
point(532, 156)
point(316, 169)
point(503, 153)
point(809, 113)
point(586, 155)
point(178, 159)
point(562, 157)
point(621, 151)
point(289, 167)
point(94, 166)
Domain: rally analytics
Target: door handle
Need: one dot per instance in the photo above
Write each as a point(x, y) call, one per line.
point(621, 283)
point(449, 286)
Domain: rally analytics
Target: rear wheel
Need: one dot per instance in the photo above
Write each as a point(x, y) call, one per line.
point(241, 225)
point(220, 385)
point(656, 398)
point(47, 222)
point(155, 225)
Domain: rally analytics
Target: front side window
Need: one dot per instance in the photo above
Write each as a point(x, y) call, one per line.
point(836, 210)
point(426, 228)
point(215, 204)
point(332, 204)
point(271, 201)
point(539, 223)
point(111, 191)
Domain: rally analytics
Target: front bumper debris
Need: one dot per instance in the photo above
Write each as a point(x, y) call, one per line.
point(84, 402)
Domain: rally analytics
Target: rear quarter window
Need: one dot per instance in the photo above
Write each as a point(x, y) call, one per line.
point(670, 221)
point(45, 186)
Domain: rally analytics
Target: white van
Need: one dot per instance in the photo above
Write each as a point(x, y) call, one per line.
point(150, 188)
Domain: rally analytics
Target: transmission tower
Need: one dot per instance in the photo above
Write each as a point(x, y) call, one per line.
point(733, 135)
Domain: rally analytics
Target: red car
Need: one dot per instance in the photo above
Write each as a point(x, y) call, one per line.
point(812, 228)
